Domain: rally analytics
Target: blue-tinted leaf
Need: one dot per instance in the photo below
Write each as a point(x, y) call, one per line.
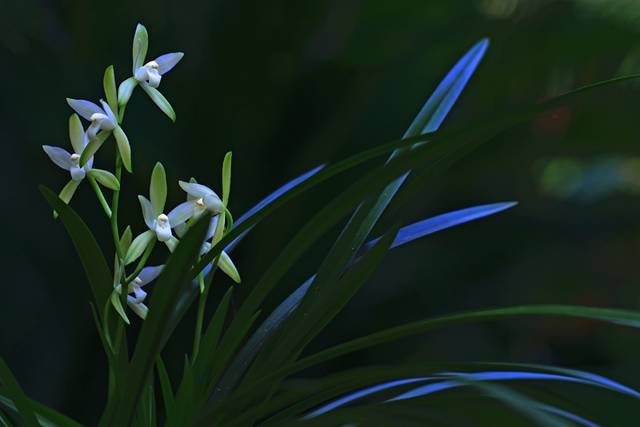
point(363, 393)
point(568, 415)
point(444, 221)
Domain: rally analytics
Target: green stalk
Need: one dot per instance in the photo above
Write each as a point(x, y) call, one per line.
point(114, 208)
point(101, 199)
point(202, 300)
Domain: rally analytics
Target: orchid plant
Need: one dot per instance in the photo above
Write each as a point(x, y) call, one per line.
point(244, 365)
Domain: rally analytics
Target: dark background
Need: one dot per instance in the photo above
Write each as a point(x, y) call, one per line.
point(288, 85)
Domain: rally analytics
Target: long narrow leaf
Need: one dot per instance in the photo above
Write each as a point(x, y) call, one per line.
point(173, 278)
point(14, 391)
point(392, 334)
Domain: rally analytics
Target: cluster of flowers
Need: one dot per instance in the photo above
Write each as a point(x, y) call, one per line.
point(105, 120)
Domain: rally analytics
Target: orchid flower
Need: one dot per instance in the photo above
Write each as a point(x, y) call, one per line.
point(148, 75)
point(203, 198)
point(103, 119)
point(159, 223)
point(135, 294)
point(71, 161)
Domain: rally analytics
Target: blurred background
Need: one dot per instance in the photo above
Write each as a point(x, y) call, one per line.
point(289, 85)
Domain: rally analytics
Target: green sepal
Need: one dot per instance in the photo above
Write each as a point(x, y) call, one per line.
point(159, 100)
point(76, 133)
point(125, 240)
point(226, 178)
point(93, 146)
point(140, 46)
point(105, 178)
point(158, 188)
point(228, 267)
point(109, 84)
point(124, 148)
point(137, 247)
point(117, 304)
point(67, 193)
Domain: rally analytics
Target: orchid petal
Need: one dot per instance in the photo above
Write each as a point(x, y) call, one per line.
point(77, 174)
point(213, 225)
point(167, 61)
point(196, 190)
point(180, 213)
point(138, 308)
point(140, 294)
point(59, 156)
point(147, 211)
point(148, 274)
point(109, 112)
point(85, 108)
point(181, 229)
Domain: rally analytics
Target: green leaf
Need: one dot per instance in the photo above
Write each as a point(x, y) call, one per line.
point(165, 387)
point(93, 146)
point(46, 416)
point(91, 256)
point(76, 133)
point(226, 178)
point(123, 147)
point(203, 363)
point(159, 99)
point(105, 178)
point(614, 316)
point(158, 188)
point(14, 391)
point(110, 91)
point(309, 319)
point(172, 280)
point(139, 245)
point(140, 46)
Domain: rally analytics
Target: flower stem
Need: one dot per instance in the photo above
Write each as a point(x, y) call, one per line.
point(101, 199)
point(114, 207)
point(202, 303)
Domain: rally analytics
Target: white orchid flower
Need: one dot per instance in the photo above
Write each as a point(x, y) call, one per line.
point(71, 161)
point(148, 75)
point(203, 198)
point(103, 119)
point(152, 71)
point(159, 223)
point(135, 294)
